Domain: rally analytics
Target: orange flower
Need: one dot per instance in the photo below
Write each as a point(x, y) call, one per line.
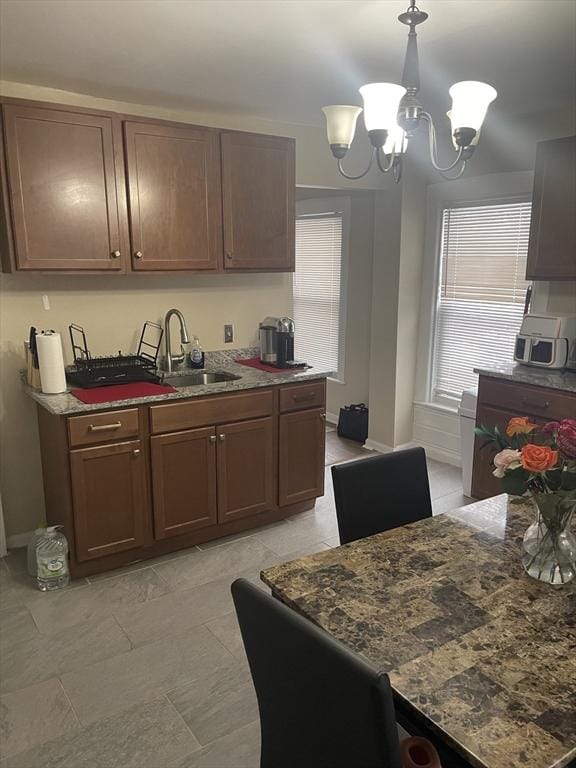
point(519, 425)
point(538, 458)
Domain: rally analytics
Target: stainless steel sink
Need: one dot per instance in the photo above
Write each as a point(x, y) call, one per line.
point(199, 378)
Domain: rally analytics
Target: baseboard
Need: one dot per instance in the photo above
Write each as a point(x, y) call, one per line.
point(332, 419)
point(443, 455)
point(19, 540)
point(373, 445)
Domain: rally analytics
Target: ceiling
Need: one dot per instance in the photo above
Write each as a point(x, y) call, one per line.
point(284, 59)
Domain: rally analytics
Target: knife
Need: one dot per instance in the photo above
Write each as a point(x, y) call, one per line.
point(33, 347)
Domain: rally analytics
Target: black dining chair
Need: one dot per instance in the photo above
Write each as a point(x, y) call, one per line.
point(321, 706)
point(381, 492)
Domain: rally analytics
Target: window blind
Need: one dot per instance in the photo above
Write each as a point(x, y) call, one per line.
point(316, 285)
point(480, 306)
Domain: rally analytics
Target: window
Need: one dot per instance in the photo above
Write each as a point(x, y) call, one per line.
point(481, 294)
point(317, 286)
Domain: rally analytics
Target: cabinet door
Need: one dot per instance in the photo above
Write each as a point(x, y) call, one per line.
point(245, 468)
point(183, 481)
point(258, 188)
point(552, 245)
point(174, 197)
point(63, 190)
point(302, 443)
point(110, 498)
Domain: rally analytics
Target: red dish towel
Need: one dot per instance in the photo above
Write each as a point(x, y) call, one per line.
point(254, 362)
point(121, 392)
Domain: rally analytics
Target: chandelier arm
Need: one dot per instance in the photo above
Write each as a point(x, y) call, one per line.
point(457, 176)
point(360, 175)
point(384, 168)
point(434, 149)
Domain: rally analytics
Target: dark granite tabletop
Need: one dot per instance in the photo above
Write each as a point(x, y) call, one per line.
point(480, 651)
point(529, 374)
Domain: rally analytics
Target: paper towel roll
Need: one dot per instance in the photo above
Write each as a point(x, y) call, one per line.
point(51, 361)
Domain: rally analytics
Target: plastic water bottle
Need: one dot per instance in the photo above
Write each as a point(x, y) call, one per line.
point(32, 565)
point(52, 560)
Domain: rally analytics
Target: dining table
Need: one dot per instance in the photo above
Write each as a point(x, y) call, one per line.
point(481, 657)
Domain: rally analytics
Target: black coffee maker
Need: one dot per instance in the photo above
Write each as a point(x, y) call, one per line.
point(277, 342)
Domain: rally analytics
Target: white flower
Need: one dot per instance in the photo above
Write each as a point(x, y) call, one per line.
point(506, 459)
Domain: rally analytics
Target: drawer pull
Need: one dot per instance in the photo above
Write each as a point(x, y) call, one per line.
point(136, 451)
point(103, 427)
point(304, 398)
point(534, 404)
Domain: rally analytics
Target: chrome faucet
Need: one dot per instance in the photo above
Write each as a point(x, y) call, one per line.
point(171, 359)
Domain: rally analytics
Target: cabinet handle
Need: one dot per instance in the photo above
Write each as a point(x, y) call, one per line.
point(103, 427)
point(229, 255)
point(534, 404)
point(138, 255)
point(212, 438)
point(304, 398)
point(222, 438)
point(136, 451)
point(322, 417)
point(115, 254)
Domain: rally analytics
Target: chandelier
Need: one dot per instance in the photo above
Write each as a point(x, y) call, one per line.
point(393, 114)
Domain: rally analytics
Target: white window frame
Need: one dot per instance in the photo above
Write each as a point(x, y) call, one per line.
point(498, 188)
point(339, 205)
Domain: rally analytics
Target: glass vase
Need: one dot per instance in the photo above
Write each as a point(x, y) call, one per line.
point(549, 547)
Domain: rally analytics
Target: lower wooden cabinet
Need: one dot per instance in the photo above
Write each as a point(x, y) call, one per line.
point(109, 498)
point(301, 456)
point(183, 481)
point(164, 477)
point(245, 468)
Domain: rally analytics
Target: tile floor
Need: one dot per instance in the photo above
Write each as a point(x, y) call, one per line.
point(144, 667)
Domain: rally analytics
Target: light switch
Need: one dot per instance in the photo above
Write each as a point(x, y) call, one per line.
point(228, 333)
point(45, 301)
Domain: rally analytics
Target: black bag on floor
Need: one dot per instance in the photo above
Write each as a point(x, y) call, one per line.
point(353, 422)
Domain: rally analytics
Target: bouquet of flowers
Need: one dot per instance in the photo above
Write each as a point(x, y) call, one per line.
point(540, 461)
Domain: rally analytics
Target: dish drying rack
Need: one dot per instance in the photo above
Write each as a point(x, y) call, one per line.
point(88, 371)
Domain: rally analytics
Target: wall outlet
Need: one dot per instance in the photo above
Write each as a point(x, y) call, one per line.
point(228, 333)
point(45, 301)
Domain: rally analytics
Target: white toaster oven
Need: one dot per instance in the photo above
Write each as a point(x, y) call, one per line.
point(548, 341)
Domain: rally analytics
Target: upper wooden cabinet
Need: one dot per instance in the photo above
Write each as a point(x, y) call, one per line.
point(174, 197)
point(64, 186)
point(258, 188)
point(552, 247)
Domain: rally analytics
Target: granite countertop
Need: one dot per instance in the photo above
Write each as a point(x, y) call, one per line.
point(482, 652)
point(251, 378)
point(526, 374)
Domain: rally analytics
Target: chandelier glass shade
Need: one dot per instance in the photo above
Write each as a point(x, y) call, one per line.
point(393, 114)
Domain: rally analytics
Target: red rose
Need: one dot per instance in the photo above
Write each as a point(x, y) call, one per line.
point(566, 437)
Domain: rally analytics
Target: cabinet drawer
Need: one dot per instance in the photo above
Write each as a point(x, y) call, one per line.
point(219, 409)
point(103, 427)
point(296, 397)
point(526, 399)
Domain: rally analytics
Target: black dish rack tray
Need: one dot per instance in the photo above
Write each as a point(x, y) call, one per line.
point(88, 372)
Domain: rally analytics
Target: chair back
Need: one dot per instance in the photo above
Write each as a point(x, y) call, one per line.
point(321, 706)
point(381, 492)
